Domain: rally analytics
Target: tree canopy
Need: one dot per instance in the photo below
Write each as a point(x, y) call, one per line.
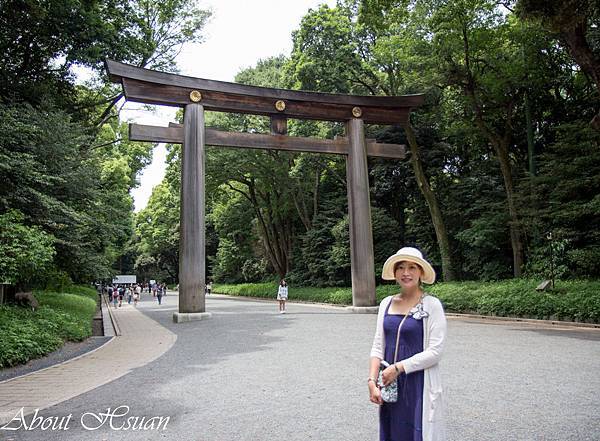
point(501, 172)
point(67, 166)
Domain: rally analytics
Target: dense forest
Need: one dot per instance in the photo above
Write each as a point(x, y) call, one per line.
point(501, 179)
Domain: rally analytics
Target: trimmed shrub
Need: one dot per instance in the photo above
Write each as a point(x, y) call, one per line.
point(576, 300)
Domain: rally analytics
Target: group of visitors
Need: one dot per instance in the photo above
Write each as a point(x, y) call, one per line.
point(117, 293)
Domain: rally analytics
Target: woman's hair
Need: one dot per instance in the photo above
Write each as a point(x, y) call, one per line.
point(283, 282)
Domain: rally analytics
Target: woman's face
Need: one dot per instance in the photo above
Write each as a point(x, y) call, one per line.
point(408, 274)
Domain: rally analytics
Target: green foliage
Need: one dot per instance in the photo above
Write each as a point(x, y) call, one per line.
point(41, 41)
point(61, 317)
point(65, 161)
point(563, 202)
point(72, 192)
point(24, 251)
point(572, 300)
point(157, 231)
point(324, 56)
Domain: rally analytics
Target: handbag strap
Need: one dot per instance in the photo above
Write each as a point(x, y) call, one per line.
point(398, 337)
point(400, 326)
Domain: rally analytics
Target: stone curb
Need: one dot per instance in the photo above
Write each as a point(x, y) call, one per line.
point(113, 320)
point(525, 320)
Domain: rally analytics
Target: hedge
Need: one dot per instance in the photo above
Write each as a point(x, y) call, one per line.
point(573, 300)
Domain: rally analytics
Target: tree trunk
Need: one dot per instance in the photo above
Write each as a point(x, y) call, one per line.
point(272, 233)
point(436, 214)
point(501, 143)
point(501, 148)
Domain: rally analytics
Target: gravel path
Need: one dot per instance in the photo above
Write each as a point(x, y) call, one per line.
point(249, 373)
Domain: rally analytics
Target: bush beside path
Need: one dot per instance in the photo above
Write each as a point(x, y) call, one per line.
point(61, 316)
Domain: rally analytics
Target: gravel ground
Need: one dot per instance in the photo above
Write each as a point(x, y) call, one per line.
point(249, 373)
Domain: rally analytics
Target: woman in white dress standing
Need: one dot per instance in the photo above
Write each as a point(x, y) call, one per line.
point(282, 295)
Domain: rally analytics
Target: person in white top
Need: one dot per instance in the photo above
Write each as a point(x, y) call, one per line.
point(282, 295)
point(410, 337)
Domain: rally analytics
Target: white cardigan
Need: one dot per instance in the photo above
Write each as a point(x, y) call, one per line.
point(434, 336)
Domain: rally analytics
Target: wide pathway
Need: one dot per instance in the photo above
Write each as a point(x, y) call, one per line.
point(249, 373)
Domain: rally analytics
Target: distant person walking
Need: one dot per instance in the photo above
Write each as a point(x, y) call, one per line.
point(282, 295)
point(115, 297)
point(129, 294)
point(136, 297)
point(159, 294)
point(208, 287)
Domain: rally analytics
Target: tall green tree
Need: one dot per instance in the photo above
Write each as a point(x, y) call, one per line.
point(362, 54)
point(66, 160)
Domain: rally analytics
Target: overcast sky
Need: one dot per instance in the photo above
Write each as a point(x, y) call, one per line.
point(239, 34)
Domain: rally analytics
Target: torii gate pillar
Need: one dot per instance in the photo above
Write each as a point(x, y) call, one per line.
point(192, 238)
point(359, 211)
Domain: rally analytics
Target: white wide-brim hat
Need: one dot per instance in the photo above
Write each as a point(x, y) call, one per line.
point(408, 254)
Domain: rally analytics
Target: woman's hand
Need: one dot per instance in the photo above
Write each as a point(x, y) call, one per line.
point(374, 393)
point(389, 375)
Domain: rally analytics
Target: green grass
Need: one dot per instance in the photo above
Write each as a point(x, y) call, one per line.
point(576, 300)
point(61, 317)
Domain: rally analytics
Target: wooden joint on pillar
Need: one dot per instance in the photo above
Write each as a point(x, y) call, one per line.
point(278, 125)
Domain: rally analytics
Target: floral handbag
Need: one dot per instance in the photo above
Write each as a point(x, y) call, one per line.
point(389, 393)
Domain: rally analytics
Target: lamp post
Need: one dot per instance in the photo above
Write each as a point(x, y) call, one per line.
point(549, 237)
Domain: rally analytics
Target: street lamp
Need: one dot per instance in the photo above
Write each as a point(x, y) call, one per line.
point(549, 237)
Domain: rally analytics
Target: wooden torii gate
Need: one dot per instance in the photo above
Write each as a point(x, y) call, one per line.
point(196, 94)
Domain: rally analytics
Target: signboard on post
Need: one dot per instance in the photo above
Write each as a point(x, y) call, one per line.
point(124, 280)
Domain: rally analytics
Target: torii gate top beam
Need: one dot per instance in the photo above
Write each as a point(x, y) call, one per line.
point(153, 87)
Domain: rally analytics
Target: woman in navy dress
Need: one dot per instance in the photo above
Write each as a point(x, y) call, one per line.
point(410, 334)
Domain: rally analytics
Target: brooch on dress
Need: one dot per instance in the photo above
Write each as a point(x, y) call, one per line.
point(417, 312)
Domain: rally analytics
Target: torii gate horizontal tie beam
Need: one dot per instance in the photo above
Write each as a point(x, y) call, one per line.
point(340, 146)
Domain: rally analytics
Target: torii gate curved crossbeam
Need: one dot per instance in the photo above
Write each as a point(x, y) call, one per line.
point(196, 94)
point(152, 87)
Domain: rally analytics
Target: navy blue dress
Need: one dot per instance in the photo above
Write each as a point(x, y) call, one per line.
point(402, 421)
